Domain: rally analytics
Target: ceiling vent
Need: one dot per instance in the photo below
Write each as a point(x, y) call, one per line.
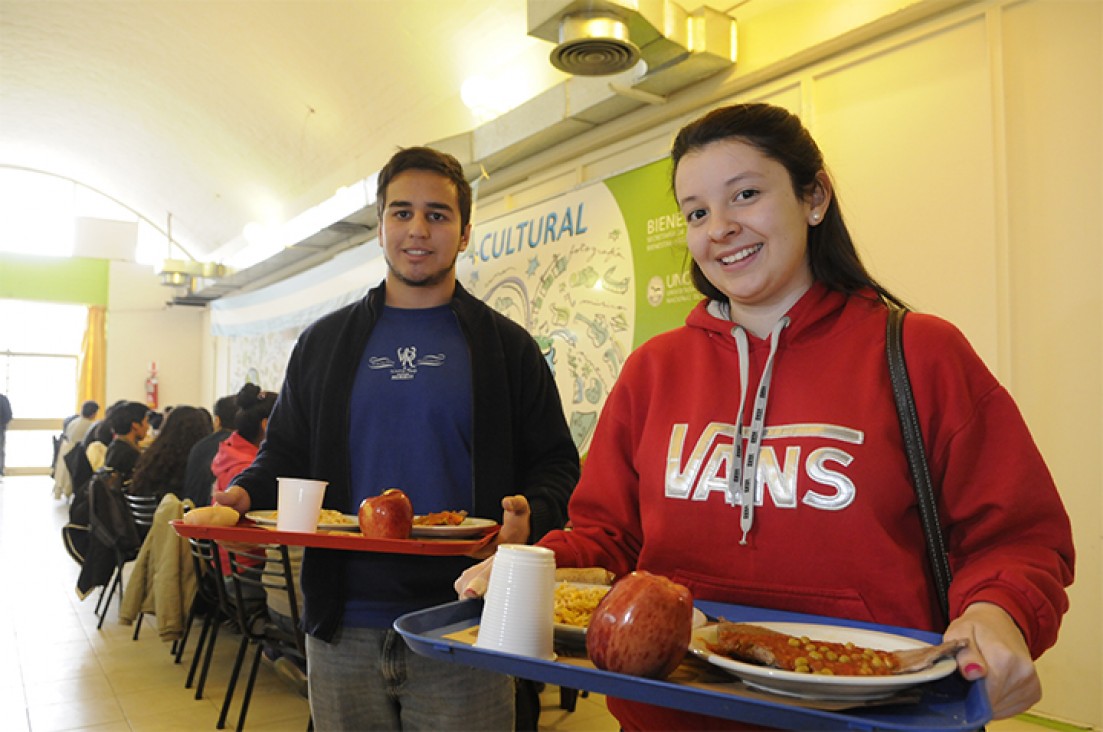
point(665, 46)
point(594, 44)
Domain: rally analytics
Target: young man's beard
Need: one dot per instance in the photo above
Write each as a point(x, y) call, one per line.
point(429, 280)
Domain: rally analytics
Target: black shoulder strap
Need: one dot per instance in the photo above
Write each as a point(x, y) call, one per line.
point(917, 457)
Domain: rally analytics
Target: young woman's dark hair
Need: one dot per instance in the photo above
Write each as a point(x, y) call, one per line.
point(434, 161)
point(253, 407)
point(779, 135)
point(160, 469)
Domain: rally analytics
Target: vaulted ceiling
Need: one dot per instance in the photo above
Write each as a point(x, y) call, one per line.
point(217, 113)
point(225, 112)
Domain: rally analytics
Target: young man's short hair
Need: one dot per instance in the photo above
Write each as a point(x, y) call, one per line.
point(434, 161)
point(225, 408)
point(126, 415)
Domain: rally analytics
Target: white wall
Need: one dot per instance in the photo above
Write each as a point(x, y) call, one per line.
point(142, 328)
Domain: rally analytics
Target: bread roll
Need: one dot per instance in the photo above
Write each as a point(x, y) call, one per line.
point(212, 516)
point(585, 575)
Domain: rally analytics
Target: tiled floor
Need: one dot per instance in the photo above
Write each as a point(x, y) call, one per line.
point(58, 672)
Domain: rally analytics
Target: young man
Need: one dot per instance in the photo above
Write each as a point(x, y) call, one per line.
point(130, 423)
point(5, 419)
point(419, 386)
point(72, 437)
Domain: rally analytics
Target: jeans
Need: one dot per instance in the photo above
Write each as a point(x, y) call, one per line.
point(369, 679)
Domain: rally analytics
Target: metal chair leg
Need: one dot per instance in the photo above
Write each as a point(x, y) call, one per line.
point(207, 659)
point(115, 583)
point(249, 688)
point(177, 649)
point(233, 681)
point(198, 651)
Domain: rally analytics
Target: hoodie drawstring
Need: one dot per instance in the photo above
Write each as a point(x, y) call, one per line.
point(744, 469)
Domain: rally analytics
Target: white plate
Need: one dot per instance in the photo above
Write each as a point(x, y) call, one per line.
point(810, 686)
point(268, 518)
point(469, 527)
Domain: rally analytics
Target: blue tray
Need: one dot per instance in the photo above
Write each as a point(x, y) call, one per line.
point(948, 704)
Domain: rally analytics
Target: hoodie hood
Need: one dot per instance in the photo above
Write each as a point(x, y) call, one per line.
point(813, 315)
point(235, 453)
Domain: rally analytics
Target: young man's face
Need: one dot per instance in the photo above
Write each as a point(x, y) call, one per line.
point(140, 429)
point(422, 237)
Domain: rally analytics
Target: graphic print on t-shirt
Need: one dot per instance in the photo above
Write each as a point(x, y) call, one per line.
point(407, 364)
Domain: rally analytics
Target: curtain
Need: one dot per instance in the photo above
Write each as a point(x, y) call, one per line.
point(92, 371)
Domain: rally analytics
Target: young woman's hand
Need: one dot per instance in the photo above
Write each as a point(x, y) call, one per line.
point(473, 582)
point(998, 654)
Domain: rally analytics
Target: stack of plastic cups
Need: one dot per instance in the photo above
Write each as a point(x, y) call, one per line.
point(519, 608)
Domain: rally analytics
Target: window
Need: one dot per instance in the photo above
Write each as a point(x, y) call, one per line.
point(39, 350)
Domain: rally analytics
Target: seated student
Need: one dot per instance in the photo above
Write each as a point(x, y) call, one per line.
point(130, 424)
point(99, 437)
point(72, 437)
point(197, 474)
point(234, 455)
point(160, 469)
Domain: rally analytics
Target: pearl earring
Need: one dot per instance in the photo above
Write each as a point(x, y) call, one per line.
point(815, 217)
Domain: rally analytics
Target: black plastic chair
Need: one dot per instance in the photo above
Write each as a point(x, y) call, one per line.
point(256, 571)
point(143, 509)
point(139, 510)
point(212, 601)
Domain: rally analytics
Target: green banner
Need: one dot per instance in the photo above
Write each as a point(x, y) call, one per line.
point(75, 280)
point(664, 291)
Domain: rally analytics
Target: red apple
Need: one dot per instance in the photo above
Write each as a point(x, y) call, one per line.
point(390, 515)
point(642, 626)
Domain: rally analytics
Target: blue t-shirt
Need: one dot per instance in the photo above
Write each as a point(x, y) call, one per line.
point(410, 428)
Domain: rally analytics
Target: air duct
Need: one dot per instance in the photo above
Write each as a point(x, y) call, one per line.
point(606, 37)
point(594, 44)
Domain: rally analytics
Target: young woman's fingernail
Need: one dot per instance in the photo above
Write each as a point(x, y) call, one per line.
point(971, 670)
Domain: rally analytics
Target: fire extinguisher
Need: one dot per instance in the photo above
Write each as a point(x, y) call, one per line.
point(151, 386)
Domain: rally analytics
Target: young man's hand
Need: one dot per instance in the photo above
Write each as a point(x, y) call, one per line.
point(516, 528)
point(235, 497)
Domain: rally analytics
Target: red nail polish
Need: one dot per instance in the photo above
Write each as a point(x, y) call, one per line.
point(972, 669)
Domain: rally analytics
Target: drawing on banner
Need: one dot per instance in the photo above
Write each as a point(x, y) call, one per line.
point(564, 271)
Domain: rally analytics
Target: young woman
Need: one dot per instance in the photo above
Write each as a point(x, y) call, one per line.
point(160, 469)
point(787, 352)
point(237, 451)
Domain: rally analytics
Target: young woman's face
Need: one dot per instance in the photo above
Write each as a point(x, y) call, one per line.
point(745, 226)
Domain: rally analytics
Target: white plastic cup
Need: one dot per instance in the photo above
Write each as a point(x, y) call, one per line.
point(300, 504)
point(519, 607)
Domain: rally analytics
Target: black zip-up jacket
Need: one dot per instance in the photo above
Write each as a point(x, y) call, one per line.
point(521, 441)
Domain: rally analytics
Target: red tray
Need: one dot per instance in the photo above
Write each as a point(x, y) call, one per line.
point(249, 532)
